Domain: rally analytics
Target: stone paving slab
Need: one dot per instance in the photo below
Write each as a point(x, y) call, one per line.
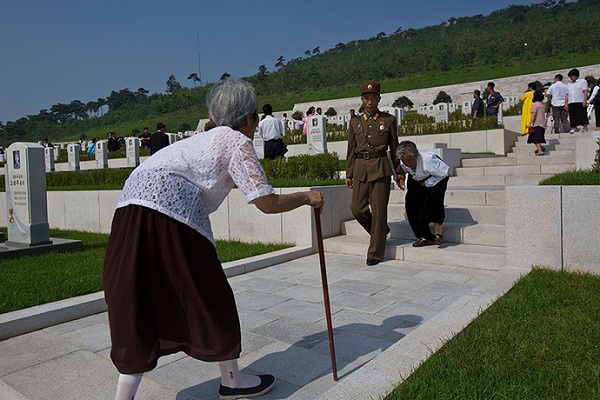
point(387, 319)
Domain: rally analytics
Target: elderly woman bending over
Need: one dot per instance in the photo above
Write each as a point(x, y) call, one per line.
point(427, 182)
point(166, 290)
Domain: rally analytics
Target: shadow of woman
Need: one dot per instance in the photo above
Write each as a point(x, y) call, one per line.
point(306, 364)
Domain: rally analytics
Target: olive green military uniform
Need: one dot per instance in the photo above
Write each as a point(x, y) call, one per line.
point(369, 136)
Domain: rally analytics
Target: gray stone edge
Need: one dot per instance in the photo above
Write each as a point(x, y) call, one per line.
point(39, 317)
point(380, 376)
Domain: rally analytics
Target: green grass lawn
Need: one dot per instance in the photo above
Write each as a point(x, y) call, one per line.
point(539, 341)
point(35, 280)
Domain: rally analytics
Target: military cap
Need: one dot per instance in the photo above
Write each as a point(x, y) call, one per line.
point(369, 87)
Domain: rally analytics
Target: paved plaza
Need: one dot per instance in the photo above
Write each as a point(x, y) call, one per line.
point(387, 320)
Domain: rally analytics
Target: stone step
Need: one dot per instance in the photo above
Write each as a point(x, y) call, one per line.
point(494, 215)
point(463, 196)
point(454, 232)
point(497, 180)
point(509, 170)
point(520, 159)
point(463, 255)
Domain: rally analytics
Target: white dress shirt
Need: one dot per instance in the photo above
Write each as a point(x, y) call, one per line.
point(558, 91)
point(270, 128)
point(428, 165)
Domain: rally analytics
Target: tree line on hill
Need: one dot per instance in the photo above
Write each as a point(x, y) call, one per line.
point(550, 29)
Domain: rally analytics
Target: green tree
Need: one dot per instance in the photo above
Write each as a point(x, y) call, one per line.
point(280, 62)
point(297, 115)
point(173, 86)
point(442, 97)
point(403, 102)
point(331, 112)
point(194, 78)
point(224, 76)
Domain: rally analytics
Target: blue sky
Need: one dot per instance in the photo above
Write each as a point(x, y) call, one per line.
point(56, 51)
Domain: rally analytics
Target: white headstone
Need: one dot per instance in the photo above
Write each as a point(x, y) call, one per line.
point(431, 111)
point(259, 144)
point(451, 107)
point(73, 154)
point(172, 137)
point(49, 158)
point(441, 112)
point(466, 107)
point(56, 153)
point(26, 201)
point(132, 151)
point(500, 117)
point(101, 154)
point(401, 114)
point(422, 110)
point(316, 135)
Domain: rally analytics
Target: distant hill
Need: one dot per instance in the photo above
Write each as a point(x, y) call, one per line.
point(558, 35)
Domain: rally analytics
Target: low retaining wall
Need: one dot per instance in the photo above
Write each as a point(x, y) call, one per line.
point(553, 226)
point(235, 219)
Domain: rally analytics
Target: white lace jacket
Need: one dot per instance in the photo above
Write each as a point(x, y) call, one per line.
point(189, 179)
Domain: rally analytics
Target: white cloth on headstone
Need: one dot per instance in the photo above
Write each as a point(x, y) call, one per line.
point(189, 179)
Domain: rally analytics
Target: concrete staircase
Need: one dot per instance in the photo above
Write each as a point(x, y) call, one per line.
point(474, 230)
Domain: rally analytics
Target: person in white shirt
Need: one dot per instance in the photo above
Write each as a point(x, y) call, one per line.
point(576, 101)
point(557, 93)
point(284, 122)
point(595, 101)
point(174, 296)
point(427, 182)
point(271, 130)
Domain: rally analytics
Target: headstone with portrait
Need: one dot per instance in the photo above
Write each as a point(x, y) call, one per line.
point(259, 144)
point(101, 154)
point(466, 107)
point(56, 153)
point(26, 201)
point(441, 112)
point(49, 159)
point(172, 137)
point(316, 135)
point(73, 151)
point(132, 151)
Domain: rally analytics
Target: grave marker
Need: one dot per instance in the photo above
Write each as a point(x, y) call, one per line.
point(49, 158)
point(73, 155)
point(316, 136)
point(441, 112)
point(132, 151)
point(26, 201)
point(101, 154)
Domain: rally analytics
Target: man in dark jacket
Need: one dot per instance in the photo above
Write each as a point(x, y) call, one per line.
point(159, 139)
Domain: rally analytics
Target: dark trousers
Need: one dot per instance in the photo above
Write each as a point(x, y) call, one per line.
point(560, 117)
point(275, 148)
point(424, 205)
point(369, 207)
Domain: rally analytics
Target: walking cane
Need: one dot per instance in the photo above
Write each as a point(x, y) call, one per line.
point(325, 292)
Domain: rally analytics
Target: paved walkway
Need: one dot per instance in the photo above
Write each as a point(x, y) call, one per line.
point(387, 320)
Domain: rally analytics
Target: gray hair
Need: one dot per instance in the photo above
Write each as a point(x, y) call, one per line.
point(230, 101)
point(407, 149)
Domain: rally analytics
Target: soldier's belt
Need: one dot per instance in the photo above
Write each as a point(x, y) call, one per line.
point(365, 155)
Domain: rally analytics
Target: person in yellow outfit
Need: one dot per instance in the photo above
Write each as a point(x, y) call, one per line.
point(527, 99)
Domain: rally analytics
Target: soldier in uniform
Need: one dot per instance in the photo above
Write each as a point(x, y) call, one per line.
point(368, 169)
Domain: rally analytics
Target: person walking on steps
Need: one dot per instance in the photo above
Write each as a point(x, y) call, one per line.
point(426, 188)
point(368, 168)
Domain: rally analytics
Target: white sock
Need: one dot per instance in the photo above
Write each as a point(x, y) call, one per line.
point(127, 386)
point(233, 378)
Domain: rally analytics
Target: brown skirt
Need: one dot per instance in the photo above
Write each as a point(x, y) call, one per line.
point(166, 292)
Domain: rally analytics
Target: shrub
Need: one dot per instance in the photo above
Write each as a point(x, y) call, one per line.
point(303, 166)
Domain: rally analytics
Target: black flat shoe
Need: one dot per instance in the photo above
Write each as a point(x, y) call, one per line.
point(266, 384)
point(423, 242)
point(372, 261)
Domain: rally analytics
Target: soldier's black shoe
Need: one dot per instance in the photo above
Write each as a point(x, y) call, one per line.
point(372, 261)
